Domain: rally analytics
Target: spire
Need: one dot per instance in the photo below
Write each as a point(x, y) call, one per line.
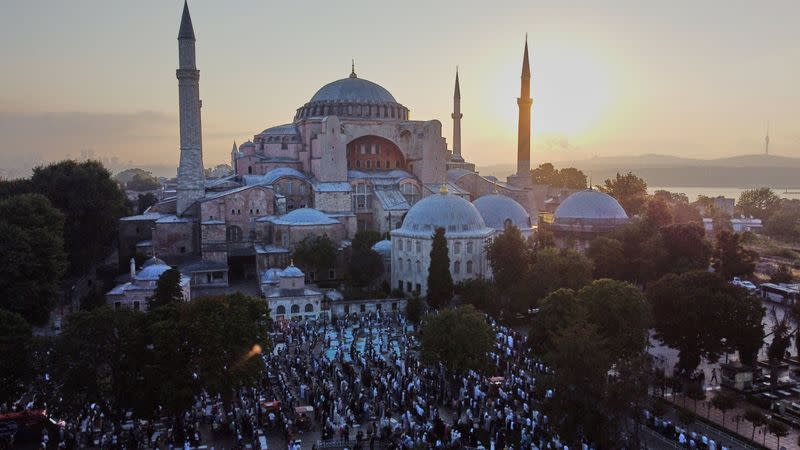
point(234, 147)
point(353, 69)
point(526, 66)
point(457, 93)
point(187, 30)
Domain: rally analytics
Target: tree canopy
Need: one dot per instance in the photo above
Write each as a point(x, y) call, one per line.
point(15, 355)
point(569, 177)
point(315, 253)
point(440, 281)
point(730, 258)
point(168, 289)
point(143, 182)
point(509, 257)
point(33, 262)
point(629, 190)
point(459, 338)
point(759, 203)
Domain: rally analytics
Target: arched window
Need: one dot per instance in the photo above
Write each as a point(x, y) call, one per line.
point(418, 246)
point(400, 264)
point(233, 234)
point(419, 267)
point(469, 266)
point(400, 244)
point(309, 307)
point(295, 309)
point(469, 248)
point(457, 248)
point(457, 267)
point(281, 310)
point(408, 265)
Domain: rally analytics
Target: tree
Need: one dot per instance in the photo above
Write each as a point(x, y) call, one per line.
point(730, 259)
point(557, 311)
point(759, 203)
point(440, 281)
point(544, 174)
point(168, 289)
point(509, 257)
point(657, 212)
point(414, 308)
point(568, 178)
point(480, 293)
point(621, 313)
point(695, 391)
point(779, 429)
point(33, 261)
point(756, 418)
point(16, 369)
point(696, 312)
point(315, 253)
point(783, 224)
point(607, 255)
point(629, 190)
point(783, 274)
point(724, 403)
point(365, 239)
point(459, 338)
point(683, 212)
point(553, 269)
point(682, 248)
point(91, 202)
point(144, 201)
point(143, 182)
point(366, 265)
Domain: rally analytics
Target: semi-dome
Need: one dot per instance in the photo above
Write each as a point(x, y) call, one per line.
point(353, 90)
point(497, 209)
point(353, 97)
point(152, 270)
point(443, 210)
point(305, 216)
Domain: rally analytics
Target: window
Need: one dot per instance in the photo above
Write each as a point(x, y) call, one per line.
point(399, 283)
point(408, 286)
point(400, 266)
point(379, 306)
point(400, 244)
point(286, 240)
point(418, 245)
point(469, 266)
point(410, 192)
point(312, 275)
point(408, 265)
point(419, 288)
point(361, 197)
point(419, 267)
point(250, 170)
point(218, 275)
point(457, 267)
point(284, 146)
point(394, 306)
point(309, 308)
point(469, 248)
point(331, 274)
point(369, 164)
point(358, 164)
point(233, 234)
point(281, 310)
point(347, 309)
point(363, 308)
point(295, 309)
point(457, 248)
point(136, 306)
point(378, 164)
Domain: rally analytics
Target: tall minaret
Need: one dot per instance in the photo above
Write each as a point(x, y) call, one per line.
point(766, 141)
point(524, 132)
point(457, 121)
point(191, 176)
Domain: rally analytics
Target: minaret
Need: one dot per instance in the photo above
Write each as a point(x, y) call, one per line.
point(233, 156)
point(191, 176)
point(457, 122)
point(524, 132)
point(766, 142)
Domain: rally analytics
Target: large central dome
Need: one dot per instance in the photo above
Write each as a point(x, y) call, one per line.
point(354, 98)
point(353, 90)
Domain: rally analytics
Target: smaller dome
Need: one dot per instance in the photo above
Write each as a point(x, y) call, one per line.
point(292, 272)
point(152, 270)
point(383, 248)
point(451, 212)
point(592, 205)
point(270, 276)
point(305, 216)
point(496, 209)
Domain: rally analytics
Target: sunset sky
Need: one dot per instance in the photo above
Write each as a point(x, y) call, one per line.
point(686, 78)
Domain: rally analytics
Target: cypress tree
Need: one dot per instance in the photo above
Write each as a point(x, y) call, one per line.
point(168, 289)
point(440, 282)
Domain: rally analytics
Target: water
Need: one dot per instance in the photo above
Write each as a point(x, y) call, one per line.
point(730, 192)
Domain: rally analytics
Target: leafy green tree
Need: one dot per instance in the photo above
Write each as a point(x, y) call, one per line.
point(682, 248)
point(92, 204)
point(460, 338)
point(144, 201)
point(640, 247)
point(509, 258)
point(607, 255)
point(783, 274)
point(414, 308)
point(683, 212)
point(779, 429)
point(440, 281)
point(568, 178)
point(143, 182)
point(783, 224)
point(730, 259)
point(366, 265)
point(629, 190)
point(365, 239)
point(557, 311)
point(168, 289)
point(756, 418)
point(724, 402)
point(696, 312)
point(480, 293)
point(621, 313)
point(759, 203)
point(315, 253)
point(554, 269)
point(657, 212)
point(16, 365)
point(544, 174)
point(33, 262)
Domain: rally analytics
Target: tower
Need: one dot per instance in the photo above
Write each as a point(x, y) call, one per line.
point(457, 122)
point(191, 175)
point(524, 131)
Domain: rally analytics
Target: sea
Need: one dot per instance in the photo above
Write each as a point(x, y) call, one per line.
point(730, 192)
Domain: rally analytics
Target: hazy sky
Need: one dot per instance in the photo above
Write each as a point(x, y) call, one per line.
point(688, 78)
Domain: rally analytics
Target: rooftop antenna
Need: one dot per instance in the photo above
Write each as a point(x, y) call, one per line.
point(766, 141)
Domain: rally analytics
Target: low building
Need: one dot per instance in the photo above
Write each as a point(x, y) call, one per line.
point(340, 308)
point(739, 225)
point(288, 297)
point(136, 293)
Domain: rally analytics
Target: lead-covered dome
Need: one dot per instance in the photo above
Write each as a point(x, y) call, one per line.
point(498, 209)
point(305, 216)
point(589, 209)
point(353, 97)
point(152, 270)
point(453, 213)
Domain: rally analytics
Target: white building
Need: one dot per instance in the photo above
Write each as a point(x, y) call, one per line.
point(136, 293)
point(288, 297)
point(465, 231)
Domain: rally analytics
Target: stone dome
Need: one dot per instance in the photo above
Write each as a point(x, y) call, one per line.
point(383, 248)
point(305, 216)
point(443, 210)
point(353, 97)
point(353, 90)
point(589, 210)
point(291, 272)
point(152, 270)
point(496, 209)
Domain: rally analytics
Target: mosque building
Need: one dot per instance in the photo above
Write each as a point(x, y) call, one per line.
point(351, 159)
point(583, 216)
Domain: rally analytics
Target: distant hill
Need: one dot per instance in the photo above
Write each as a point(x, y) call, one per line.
point(664, 170)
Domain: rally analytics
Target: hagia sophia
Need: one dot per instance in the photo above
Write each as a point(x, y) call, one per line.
point(351, 159)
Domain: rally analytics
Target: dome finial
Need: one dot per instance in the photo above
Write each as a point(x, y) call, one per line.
point(443, 189)
point(353, 69)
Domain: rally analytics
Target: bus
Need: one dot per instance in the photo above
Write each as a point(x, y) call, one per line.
point(784, 295)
